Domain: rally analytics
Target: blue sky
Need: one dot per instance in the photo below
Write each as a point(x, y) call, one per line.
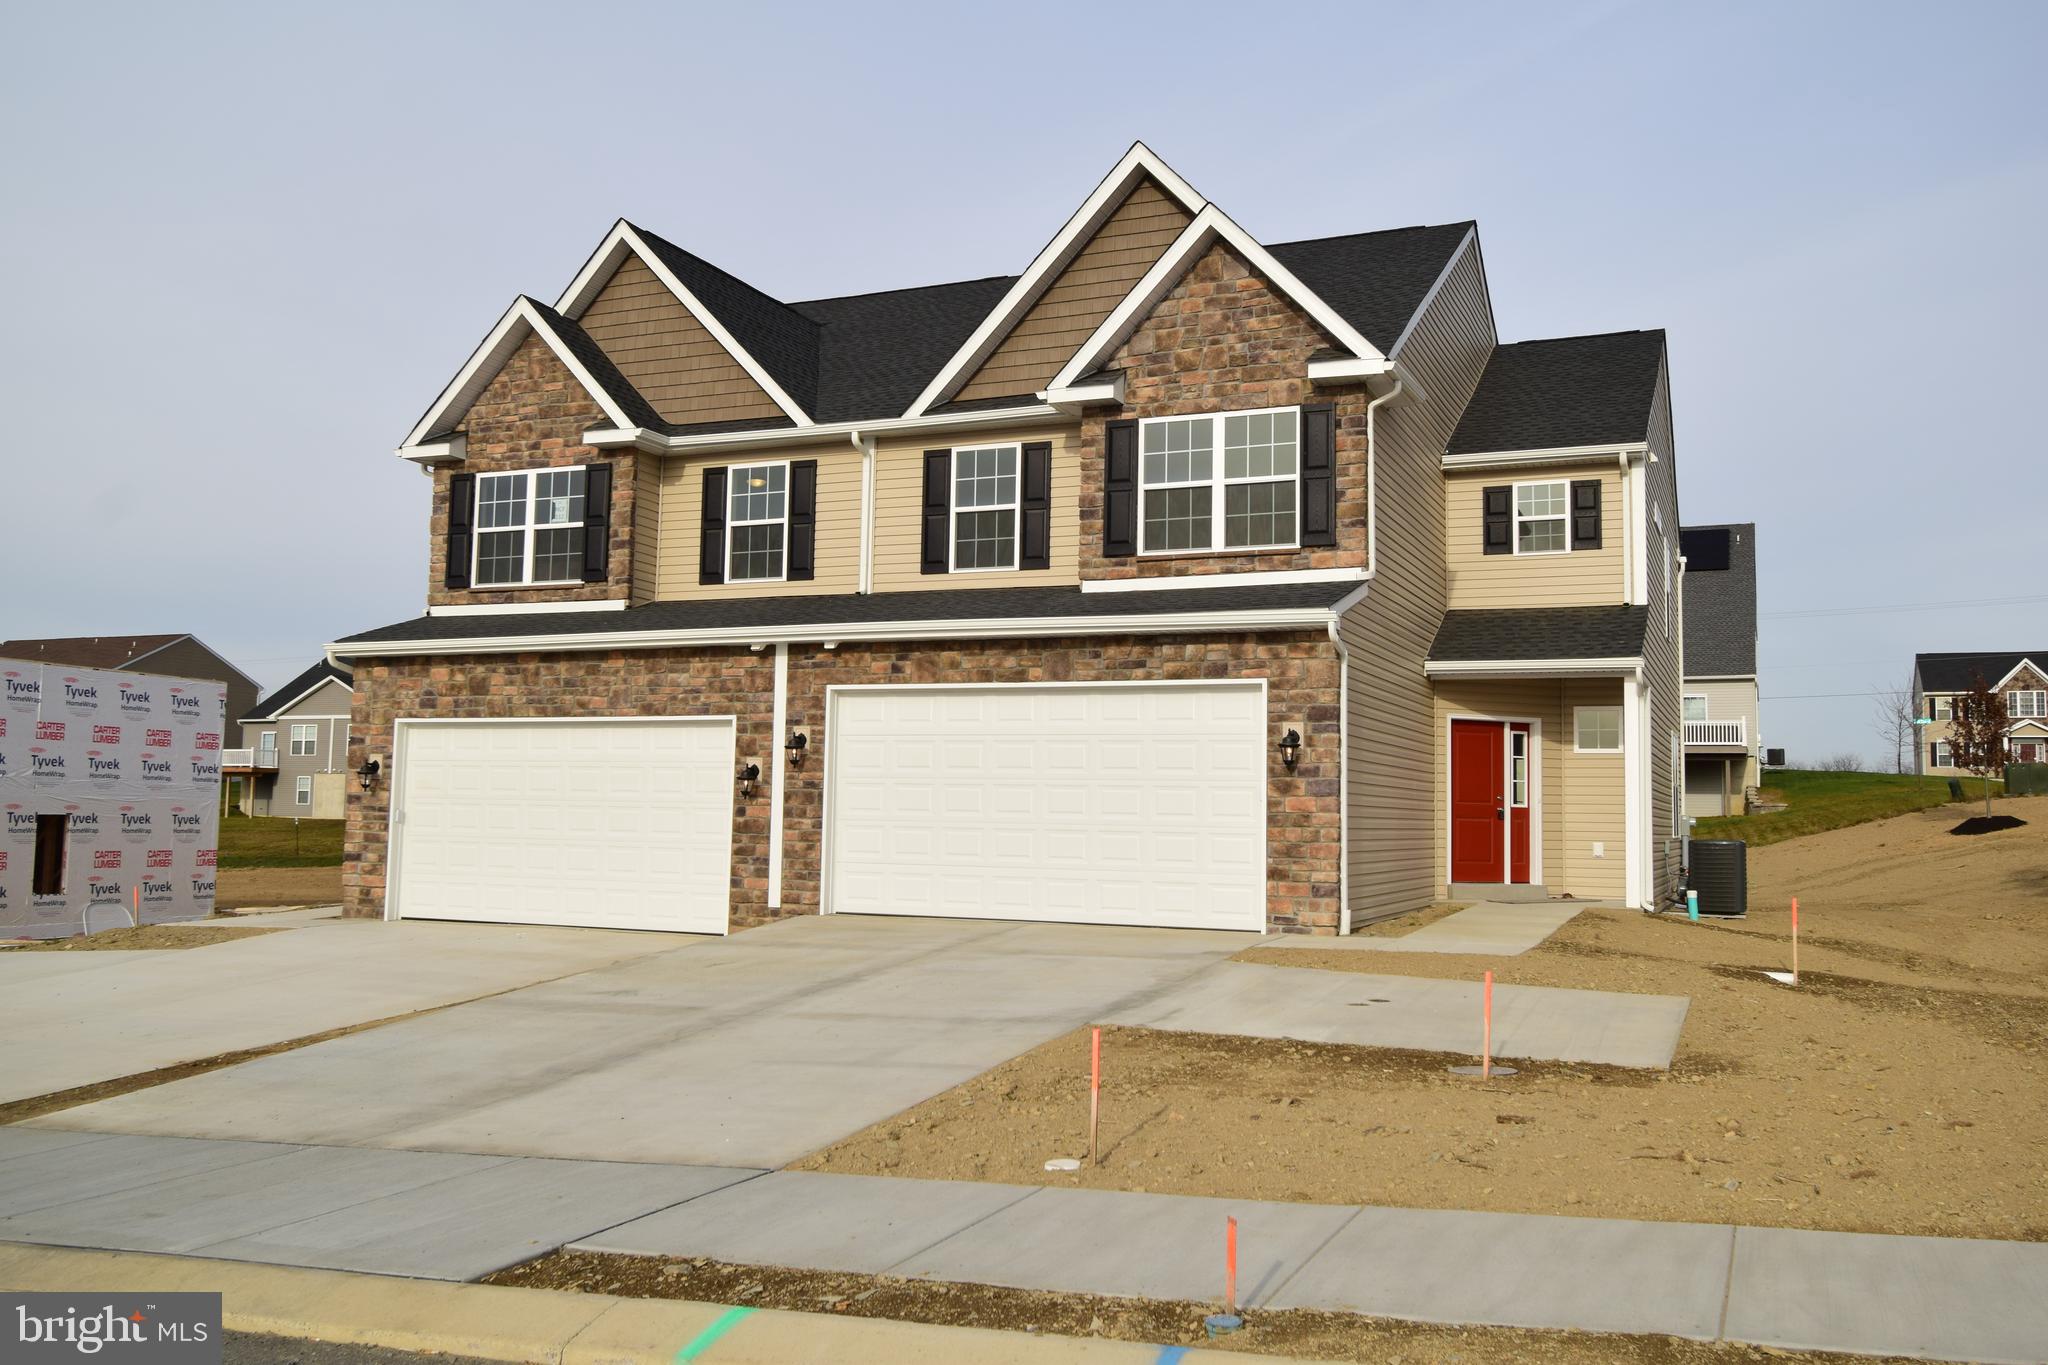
point(245, 246)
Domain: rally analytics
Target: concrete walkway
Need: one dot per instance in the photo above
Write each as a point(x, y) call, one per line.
point(1539, 1022)
point(1488, 929)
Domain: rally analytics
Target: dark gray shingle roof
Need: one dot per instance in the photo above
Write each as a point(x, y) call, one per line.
point(297, 687)
point(1567, 391)
point(592, 357)
point(780, 337)
point(1720, 603)
point(1958, 672)
point(1537, 634)
point(850, 609)
point(1375, 280)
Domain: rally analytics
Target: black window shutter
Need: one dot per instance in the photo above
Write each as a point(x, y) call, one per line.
point(1120, 490)
point(803, 520)
point(1585, 514)
point(711, 553)
point(938, 507)
point(1498, 502)
point(1034, 502)
point(597, 523)
point(1319, 475)
point(461, 521)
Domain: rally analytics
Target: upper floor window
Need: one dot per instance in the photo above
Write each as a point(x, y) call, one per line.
point(1183, 483)
point(1541, 517)
point(305, 740)
point(2026, 705)
point(1943, 709)
point(757, 534)
point(985, 506)
point(529, 528)
point(1695, 706)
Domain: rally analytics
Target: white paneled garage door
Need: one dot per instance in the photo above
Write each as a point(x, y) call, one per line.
point(1098, 804)
point(617, 824)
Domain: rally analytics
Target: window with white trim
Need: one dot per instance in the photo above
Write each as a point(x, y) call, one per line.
point(1939, 755)
point(1596, 729)
point(2026, 705)
point(757, 527)
point(529, 528)
point(985, 480)
point(1543, 517)
point(305, 740)
point(1944, 708)
point(302, 792)
point(1182, 483)
point(1695, 706)
point(266, 744)
point(1518, 768)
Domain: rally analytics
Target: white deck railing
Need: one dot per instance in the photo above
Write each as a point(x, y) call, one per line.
point(1721, 732)
point(248, 758)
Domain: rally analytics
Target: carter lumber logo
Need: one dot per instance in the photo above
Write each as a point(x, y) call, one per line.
point(106, 734)
point(106, 859)
point(136, 700)
point(50, 731)
point(204, 857)
point(206, 741)
point(157, 857)
point(81, 697)
point(156, 739)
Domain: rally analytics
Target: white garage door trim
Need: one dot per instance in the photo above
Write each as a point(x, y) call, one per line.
point(398, 767)
point(1255, 913)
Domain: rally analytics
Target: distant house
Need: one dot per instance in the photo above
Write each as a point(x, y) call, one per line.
point(171, 656)
point(1723, 720)
point(293, 759)
point(1939, 678)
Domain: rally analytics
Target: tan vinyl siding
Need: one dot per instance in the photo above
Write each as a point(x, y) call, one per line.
point(667, 355)
point(1575, 578)
point(1732, 700)
point(1594, 808)
point(1663, 665)
point(899, 514)
point(838, 527)
point(1391, 709)
point(648, 548)
point(1094, 282)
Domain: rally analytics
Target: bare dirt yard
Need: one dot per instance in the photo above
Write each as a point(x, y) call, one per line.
point(152, 936)
point(1902, 1087)
point(243, 888)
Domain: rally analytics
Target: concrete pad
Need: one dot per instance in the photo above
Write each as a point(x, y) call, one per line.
point(1938, 1298)
point(474, 1223)
point(235, 1201)
point(84, 1170)
point(857, 1223)
point(69, 1025)
point(1490, 929)
point(749, 1051)
point(1521, 1270)
point(1137, 1245)
point(17, 1141)
point(1541, 1022)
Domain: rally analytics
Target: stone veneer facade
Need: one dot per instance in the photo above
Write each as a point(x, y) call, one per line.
point(1302, 851)
point(533, 416)
point(1223, 340)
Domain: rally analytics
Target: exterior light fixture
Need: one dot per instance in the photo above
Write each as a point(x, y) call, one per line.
point(368, 773)
point(750, 776)
point(1290, 749)
point(794, 748)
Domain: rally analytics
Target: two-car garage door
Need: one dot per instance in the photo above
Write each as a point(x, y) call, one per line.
point(1100, 804)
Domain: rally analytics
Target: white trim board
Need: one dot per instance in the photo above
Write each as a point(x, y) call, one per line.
point(1533, 668)
point(2026, 663)
point(1470, 242)
point(518, 322)
point(1509, 459)
point(525, 608)
point(270, 717)
point(658, 443)
point(1247, 579)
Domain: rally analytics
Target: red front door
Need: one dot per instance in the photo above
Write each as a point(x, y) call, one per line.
point(1478, 801)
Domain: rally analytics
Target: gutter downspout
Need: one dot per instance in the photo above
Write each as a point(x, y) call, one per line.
point(781, 723)
point(1343, 776)
point(866, 446)
point(1372, 479)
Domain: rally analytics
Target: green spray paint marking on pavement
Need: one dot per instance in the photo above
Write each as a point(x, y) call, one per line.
point(705, 1339)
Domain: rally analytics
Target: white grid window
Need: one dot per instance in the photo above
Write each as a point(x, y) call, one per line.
point(1518, 768)
point(985, 507)
point(1939, 755)
point(267, 744)
point(305, 740)
point(529, 528)
point(1182, 482)
point(2026, 705)
point(757, 530)
point(1695, 707)
point(1598, 729)
point(1943, 709)
point(302, 792)
point(1541, 518)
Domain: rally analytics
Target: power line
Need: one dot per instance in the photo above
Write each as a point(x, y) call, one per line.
point(1816, 696)
point(1903, 606)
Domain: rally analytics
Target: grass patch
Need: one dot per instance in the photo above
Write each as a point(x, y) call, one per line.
point(1822, 801)
point(270, 841)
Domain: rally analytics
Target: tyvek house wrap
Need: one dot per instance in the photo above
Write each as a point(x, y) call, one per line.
point(133, 759)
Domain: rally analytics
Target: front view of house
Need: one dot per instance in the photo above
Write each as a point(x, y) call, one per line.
point(1181, 580)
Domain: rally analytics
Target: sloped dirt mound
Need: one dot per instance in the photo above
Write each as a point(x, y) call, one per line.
point(1988, 824)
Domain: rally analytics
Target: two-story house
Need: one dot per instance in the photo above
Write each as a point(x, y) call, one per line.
point(1181, 579)
point(293, 758)
point(1723, 708)
point(1938, 679)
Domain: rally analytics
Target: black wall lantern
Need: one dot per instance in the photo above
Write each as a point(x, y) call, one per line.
point(750, 775)
point(368, 773)
point(793, 750)
point(1290, 749)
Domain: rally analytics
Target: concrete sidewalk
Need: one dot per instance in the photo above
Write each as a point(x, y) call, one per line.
point(1488, 929)
point(1540, 1022)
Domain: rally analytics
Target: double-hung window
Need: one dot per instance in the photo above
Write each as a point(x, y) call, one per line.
point(985, 507)
point(757, 529)
point(302, 792)
point(2026, 705)
point(1939, 755)
point(1943, 709)
point(305, 740)
point(529, 528)
point(1245, 464)
point(1542, 516)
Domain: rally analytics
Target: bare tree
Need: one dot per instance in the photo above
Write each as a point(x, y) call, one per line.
point(1976, 734)
point(1839, 763)
point(1891, 720)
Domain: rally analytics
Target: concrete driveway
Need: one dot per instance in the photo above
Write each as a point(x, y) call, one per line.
point(749, 1051)
point(76, 1018)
